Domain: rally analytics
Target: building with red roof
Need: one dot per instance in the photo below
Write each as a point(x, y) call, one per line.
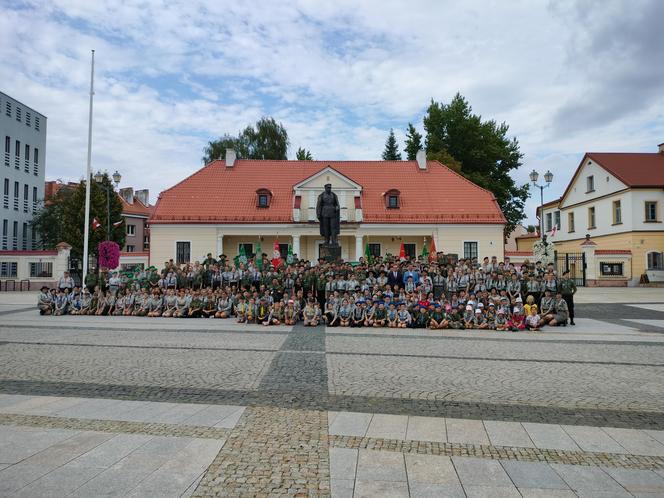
point(236, 203)
point(616, 199)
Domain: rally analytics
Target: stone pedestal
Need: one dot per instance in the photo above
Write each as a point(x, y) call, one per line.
point(330, 253)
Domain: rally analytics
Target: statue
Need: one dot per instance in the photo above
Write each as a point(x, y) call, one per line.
point(543, 251)
point(328, 213)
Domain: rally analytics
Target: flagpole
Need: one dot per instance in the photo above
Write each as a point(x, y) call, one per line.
point(88, 172)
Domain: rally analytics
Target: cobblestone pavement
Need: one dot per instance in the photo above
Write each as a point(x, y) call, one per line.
point(348, 413)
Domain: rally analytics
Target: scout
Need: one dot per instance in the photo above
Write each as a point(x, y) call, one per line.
point(568, 289)
point(561, 313)
point(45, 302)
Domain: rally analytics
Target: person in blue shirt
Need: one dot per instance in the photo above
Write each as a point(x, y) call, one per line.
point(411, 273)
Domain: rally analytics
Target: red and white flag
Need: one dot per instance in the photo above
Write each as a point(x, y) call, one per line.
point(554, 230)
point(117, 223)
point(95, 223)
point(402, 252)
point(276, 254)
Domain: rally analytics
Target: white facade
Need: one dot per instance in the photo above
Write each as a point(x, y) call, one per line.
point(23, 139)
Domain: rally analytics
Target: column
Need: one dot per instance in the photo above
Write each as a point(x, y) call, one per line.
point(296, 246)
point(220, 245)
point(358, 247)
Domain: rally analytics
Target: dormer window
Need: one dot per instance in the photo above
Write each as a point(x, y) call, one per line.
point(392, 199)
point(263, 198)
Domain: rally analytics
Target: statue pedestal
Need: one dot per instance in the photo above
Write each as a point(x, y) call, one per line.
point(330, 253)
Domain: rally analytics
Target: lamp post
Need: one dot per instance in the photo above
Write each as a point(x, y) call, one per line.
point(99, 178)
point(548, 178)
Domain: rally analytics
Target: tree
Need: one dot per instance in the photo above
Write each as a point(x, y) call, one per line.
point(413, 142)
point(61, 218)
point(303, 155)
point(482, 148)
point(391, 152)
point(267, 139)
point(531, 229)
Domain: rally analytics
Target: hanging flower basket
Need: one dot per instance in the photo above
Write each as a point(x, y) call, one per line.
point(109, 254)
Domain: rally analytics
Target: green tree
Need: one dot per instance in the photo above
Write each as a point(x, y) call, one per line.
point(391, 152)
point(267, 139)
point(413, 142)
point(303, 155)
point(482, 148)
point(61, 218)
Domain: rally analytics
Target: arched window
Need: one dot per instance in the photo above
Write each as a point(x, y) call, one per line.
point(392, 199)
point(263, 198)
point(655, 260)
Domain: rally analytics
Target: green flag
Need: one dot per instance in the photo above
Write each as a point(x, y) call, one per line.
point(367, 253)
point(240, 258)
point(425, 252)
point(259, 256)
point(289, 257)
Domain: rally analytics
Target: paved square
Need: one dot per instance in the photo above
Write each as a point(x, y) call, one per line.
point(158, 407)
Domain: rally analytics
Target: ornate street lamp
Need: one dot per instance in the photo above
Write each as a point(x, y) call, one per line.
point(99, 178)
point(548, 178)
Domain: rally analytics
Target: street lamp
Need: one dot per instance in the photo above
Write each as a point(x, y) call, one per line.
point(99, 178)
point(548, 178)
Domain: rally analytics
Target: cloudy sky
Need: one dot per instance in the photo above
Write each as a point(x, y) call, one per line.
point(568, 77)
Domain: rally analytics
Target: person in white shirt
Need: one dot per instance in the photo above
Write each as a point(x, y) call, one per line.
point(65, 282)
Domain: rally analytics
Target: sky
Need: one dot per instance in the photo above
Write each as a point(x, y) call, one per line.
point(567, 77)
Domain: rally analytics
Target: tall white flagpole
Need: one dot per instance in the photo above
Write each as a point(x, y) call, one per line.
point(88, 174)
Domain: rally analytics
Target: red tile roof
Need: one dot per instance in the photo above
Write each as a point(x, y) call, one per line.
point(613, 251)
point(631, 168)
point(217, 194)
point(137, 208)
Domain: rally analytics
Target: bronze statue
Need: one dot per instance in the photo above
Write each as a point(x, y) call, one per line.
point(328, 213)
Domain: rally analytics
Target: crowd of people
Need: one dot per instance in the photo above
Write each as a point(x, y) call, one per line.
point(435, 293)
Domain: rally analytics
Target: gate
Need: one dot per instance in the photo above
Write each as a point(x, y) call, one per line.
point(575, 262)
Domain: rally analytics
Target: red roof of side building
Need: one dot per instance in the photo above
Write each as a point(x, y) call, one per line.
point(137, 208)
point(218, 194)
point(634, 169)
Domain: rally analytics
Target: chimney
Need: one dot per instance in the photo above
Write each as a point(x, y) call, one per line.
point(661, 148)
point(127, 193)
point(143, 196)
point(421, 158)
point(231, 156)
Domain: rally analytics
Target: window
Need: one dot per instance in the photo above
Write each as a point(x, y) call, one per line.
point(131, 229)
point(651, 211)
point(470, 249)
point(34, 199)
point(392, 199)
point(131, 248)
point(617, 213)
point(556, 219)
point(410, 250)
point(590, 184)
point(24, 237)
point(27, 119)
point(35, 161)
point(374, 250)
point(15, 236)
point(591, 217)
point(41, 269)
point(18, 114)
point(283, 250)
point(548, 223)
point(8, 109)
point(146, 242)
point(16, 190)
point(611, 269)
point(263, 198)
point(17, 154)
point(570, 221)
point(26, 159)
point(8, 269)
point(249, 249)
point(182, 252)
point(5, 200)
point(34, 237)
point(5, 230)
point(37, 123)
point(26, 190)
point(655, 260)
point(8, 144)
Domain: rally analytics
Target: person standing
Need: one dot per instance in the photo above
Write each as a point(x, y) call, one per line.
point(65, 282)
point(568, 289)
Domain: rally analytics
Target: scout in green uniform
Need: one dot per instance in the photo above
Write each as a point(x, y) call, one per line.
point(437, 318)
point(380, 315)
point(568, 289)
